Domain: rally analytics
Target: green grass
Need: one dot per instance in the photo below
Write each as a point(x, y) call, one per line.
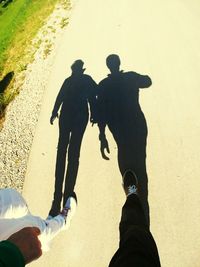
point(19, 24)
point(10, 21)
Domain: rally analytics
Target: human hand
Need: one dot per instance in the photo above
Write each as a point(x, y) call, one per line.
point(104, 146)
point(53, 116)
point(28, 243)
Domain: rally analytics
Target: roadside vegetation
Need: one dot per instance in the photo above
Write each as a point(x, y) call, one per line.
point(20, 21)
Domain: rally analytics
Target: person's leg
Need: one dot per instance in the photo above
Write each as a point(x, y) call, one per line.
point(132, 215)
point(138, 164)
point(73, 158)
point(53, 226)
point(137, 246)
point(132, 155)
point(132, 211)
point(63, 142)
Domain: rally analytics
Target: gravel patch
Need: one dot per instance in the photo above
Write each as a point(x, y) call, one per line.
point(22, 114)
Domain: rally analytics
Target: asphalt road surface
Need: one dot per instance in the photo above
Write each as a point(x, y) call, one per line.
point(158, 38)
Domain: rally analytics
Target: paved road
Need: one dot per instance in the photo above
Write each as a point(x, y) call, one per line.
point(161, 39)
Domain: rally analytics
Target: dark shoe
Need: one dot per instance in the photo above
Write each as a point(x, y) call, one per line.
point(130, 183)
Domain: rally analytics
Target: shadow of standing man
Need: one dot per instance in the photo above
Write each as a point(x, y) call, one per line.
point(119, 108)
point(76, 92)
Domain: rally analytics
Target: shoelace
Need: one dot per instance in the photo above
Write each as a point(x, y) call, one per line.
point(132, 189)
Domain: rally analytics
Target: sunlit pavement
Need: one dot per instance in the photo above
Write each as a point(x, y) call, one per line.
point(157, 38)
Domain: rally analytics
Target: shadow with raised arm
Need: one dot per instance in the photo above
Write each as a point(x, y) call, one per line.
point(119, 109)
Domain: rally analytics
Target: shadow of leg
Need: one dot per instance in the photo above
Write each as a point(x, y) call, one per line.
point(73, 159)
point(132, 155)
point(60, 170)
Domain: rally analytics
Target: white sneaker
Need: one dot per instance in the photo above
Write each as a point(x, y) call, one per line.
point(69, 209)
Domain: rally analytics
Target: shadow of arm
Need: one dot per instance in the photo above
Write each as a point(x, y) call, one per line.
point(92, 100)
point(103, 141)
point(143, 81)
point(58, 102)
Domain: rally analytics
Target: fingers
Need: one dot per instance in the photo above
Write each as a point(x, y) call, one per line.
point(36, 230)
point(28, 243)
point(103, 154)
point(107, 149)
point(53, 118)
point(36, 251)
point(104, 146)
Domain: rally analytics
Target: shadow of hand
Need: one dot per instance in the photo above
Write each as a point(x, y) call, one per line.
point(104, 146)
point(53, 118)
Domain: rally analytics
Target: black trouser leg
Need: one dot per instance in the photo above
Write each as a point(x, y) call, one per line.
point(132, 215)
point(137, 246)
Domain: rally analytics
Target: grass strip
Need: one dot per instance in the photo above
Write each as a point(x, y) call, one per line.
point(20, 21)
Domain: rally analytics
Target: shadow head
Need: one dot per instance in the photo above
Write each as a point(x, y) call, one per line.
point(77, 67)
point(113, 63)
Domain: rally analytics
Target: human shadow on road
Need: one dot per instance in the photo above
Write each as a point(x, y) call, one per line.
point(119, 109)
point(76, 92)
